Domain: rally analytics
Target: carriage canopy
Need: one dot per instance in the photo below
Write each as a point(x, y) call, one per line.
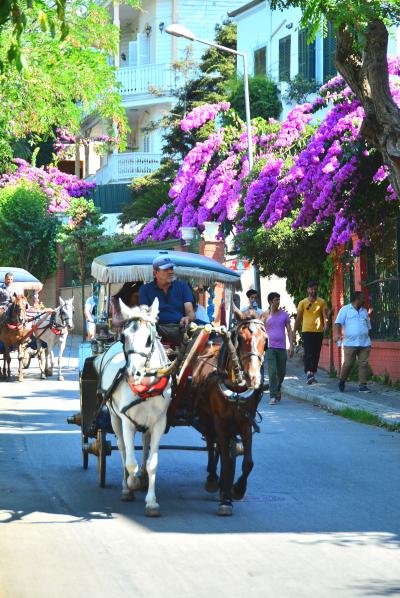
point(23, 280)
point(136, 264)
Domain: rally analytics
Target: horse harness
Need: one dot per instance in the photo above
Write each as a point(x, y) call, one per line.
point(142, 391)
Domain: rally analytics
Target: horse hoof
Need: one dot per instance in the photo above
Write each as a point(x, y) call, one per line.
point(20, 378)
point(128, 496)
point(225, 510)
point(43, 376)
point(48, 372)
point(211, 485)
point(153, 511)
point(60, 378)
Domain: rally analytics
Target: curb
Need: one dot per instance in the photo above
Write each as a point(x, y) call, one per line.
point(337, 401)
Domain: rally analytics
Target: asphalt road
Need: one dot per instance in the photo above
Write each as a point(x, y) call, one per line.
point(321, 517)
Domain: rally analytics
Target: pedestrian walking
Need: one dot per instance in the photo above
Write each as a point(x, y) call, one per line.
point(354, 324)
point(312, 316)
point(277, 324)
point(252, 296)
point(90, 317)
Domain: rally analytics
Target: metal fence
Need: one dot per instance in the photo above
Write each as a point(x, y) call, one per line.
point(384, 296)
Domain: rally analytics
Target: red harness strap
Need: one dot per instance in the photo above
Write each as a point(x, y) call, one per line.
point(145, 392)
point(15, 326)
point(57, 331)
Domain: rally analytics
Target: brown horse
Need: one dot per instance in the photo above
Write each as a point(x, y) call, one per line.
point(226, 408)
point(13, 332)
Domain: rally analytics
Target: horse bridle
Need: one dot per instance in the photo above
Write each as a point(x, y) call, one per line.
point(64, 318)
point(153, 336)
point(20, 322)
point(236, 341)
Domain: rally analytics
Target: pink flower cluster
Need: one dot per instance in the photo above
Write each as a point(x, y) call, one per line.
point(202, 114)
point(58, 186)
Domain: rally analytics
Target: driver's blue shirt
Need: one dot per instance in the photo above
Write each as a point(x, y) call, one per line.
point(171, 303)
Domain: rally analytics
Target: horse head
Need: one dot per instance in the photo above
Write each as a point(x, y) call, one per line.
point(138, 338)
point(17, 310)
point(66, 313)
point(250, 341)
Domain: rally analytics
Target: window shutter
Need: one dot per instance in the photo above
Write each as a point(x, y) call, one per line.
point(143, 48)
point(260, 61)
point(306, 56)
point(329, 53)
point(284, 58)
point(133, 54)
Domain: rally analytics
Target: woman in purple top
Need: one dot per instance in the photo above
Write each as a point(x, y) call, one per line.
point(277, 321)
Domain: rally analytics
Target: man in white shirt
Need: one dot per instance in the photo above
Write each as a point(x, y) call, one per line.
point(354, 321)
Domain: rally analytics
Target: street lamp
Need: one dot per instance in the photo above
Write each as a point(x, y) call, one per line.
point(180, 31)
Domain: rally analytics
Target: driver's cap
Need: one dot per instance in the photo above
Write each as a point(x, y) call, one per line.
point(163, 263)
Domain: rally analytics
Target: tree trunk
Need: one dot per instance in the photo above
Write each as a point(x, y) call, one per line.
point(367, 76)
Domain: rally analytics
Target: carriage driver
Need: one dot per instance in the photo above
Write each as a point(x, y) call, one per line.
point(6, 291)
point(175, 298)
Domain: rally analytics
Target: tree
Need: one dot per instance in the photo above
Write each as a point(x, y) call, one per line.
point(263, 95)
point(82, 239)
point(208, 86)
point(27, 230)
point(361, 59)
point(63, 77)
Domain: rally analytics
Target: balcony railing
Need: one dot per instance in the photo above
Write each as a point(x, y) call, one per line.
point(121, 168)
point(156, 79)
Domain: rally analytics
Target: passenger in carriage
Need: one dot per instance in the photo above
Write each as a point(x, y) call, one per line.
point(129, 294)
point(175, 300)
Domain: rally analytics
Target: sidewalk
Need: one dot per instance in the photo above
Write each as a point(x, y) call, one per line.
point(383, 402)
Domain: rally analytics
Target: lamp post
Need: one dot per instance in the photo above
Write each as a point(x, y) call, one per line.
point(180, 31)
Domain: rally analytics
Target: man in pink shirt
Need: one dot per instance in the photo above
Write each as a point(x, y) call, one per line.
point(277, 323)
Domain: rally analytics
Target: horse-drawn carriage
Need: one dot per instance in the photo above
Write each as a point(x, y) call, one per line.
point(211, 382)
point(25, 328)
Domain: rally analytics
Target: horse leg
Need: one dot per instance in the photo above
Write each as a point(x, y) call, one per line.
point(60, 354)
point(127, 494)
point(240, 487)
point(41, 359)
point(20, 369)
point(212, 482)
point(49, 361)
point(131, 465)
point(7, 362)
point(143, 476)
point(227, 469)
point(152, 507)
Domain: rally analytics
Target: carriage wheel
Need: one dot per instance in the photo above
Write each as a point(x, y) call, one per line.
point(104, 449)
point(85, 451)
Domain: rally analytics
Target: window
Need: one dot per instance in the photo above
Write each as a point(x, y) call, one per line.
point(329, 53)
point(260, 61)
point(284, 58)
point(306, 56)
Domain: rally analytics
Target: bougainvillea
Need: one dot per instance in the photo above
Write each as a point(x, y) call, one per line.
point(324, 169)
point(58, 186)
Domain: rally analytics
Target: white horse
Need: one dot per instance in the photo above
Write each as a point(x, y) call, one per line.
point(137, 403)
point(54, 331)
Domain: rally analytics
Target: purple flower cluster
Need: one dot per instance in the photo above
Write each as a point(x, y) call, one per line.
point(316, 169)
point(202, 114)
point(58, 186)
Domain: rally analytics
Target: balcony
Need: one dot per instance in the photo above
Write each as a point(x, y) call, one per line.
point(122, 168)
point(158, 80)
